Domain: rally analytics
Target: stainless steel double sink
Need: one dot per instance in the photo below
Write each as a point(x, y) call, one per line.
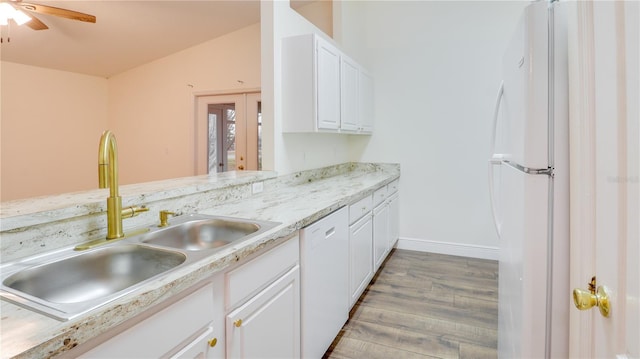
point(64, 284)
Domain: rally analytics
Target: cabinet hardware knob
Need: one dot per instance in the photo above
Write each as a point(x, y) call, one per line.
point(213, 342)
point(238, 323)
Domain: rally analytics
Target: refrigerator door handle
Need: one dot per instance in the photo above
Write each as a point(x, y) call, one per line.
point(495, 159)
point(492, 163)
point(530, 171)
point(496, 112)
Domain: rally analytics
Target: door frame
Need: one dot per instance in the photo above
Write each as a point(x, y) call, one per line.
point(604, 161)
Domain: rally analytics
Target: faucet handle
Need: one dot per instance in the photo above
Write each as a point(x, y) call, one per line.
point(133, 211)
point(164, 217)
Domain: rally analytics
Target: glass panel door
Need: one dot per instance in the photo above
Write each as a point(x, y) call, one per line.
point(228, 133)
point(221, 137)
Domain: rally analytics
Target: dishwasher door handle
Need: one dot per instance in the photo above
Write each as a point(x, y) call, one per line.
point(330, 232)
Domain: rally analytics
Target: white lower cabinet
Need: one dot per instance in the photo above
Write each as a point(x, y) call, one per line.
point(263, 305)
point(250, 311)
point(268, 325)
point(372, 235)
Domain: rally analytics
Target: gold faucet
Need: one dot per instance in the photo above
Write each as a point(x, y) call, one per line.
point(108, 176)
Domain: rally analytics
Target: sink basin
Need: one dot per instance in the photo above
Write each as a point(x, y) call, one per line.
point(64, 284)
point(201, 233)
point(63, 287)
point(94, 274)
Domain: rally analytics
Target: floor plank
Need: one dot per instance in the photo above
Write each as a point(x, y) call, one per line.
point(424, 305)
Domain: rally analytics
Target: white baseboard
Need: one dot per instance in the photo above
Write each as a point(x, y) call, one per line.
point(454, 249)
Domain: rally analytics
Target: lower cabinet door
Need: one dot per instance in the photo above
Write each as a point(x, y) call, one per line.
point(268, 324)
point(360, 256)
point(380, 234)
point(394, 220)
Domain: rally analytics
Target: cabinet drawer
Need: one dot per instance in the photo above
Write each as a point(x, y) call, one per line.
point(260, 272)
point(163, 331)
point(393, 187)
point(379, 195)
point(360, 208)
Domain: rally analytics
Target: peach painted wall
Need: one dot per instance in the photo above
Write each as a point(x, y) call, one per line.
point(50, 126)
point(52, 120)
point(319, 13)
point(151, 109)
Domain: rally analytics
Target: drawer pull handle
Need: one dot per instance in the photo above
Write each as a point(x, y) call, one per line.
point(213, 342)
point(238, 323)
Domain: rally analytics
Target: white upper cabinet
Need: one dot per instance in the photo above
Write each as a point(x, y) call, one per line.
point(356, 98)
point(323, 90)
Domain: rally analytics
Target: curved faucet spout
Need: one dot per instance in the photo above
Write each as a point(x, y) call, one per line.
point(108, 163)
point(108, 176)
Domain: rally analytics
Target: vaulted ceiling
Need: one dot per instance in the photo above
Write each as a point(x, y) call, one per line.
point(125, 35)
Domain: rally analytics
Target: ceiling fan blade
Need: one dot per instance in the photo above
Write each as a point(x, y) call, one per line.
point(35, 23)
point(56, 11)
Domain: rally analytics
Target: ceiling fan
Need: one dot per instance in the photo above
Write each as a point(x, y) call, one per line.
point(36, 24)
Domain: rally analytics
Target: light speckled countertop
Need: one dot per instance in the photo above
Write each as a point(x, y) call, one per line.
point(294, 200)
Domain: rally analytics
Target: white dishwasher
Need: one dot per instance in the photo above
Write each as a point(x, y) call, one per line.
point(324, 256)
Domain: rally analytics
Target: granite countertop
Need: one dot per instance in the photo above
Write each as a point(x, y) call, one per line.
point(27, 334)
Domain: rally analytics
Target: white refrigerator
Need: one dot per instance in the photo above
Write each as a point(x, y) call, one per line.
point(529, 171)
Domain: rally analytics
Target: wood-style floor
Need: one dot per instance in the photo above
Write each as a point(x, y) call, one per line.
point(424, 305)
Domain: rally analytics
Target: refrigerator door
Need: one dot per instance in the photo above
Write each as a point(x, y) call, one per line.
point(522, 130)
point(522, 310)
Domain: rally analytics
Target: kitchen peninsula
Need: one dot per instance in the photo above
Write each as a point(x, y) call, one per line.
point(34, 226)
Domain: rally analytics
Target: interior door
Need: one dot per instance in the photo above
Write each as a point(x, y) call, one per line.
point(227, 133)
point(605, 161)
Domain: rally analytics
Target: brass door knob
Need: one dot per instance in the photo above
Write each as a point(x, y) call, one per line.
point(238, 323)
point(241, 167)
point(213, 342)
point(593, 297)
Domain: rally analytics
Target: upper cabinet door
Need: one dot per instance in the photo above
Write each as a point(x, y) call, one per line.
point(328, 85)
point(349, 95)
point(366, 101)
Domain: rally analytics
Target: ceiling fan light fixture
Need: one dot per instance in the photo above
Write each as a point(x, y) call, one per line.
point(20, 17)
point(8, 12)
